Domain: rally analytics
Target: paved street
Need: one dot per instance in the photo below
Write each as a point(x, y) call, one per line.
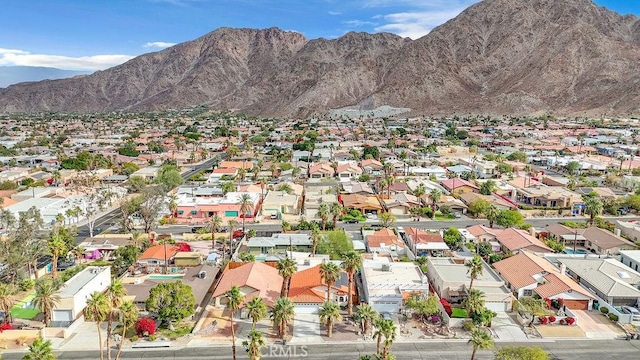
point(561, 350)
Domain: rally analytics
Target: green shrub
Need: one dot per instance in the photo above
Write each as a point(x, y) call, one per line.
point(134, 338)
point(604, 310)
point(152, 337)
point(613, 317)
point(26, 285)
point(468, 325)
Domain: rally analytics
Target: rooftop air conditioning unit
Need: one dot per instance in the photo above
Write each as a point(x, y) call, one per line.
point(386, 267)
point(307, 262)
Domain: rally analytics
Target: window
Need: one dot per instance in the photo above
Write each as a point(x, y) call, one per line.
point(527, 292)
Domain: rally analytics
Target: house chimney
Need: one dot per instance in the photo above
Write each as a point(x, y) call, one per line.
point(563, 269)
point(532, 231)
point(617, 231)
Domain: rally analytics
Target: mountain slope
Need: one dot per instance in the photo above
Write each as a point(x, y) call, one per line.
point(498, 56)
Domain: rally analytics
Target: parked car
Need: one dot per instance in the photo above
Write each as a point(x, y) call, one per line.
point(635, 313)
point(351, 221)
point(273, 216)
point(195, 229)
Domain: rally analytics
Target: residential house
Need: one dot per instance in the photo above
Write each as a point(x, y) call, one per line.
point(385, 241)
point(157, 256)
point(75, 292)
point(280, 202)
point(360, 188)
point(597, 240)
point(321, 170)
point(451, 280)
point(509, 240)
point(401, 203)
point(364, 204)
point(457, 186)
point(387, 284)
point(499, 202)
point(199, 209)
point(348, 171)
point(533, 193)
point(609, 279)
point(435, 171)
point(371, 166)
point(424, 243)
point(631, 258)
point(148, 173)
point(255, 279)
point(308, 290)
point(527, 274)
point(219, 173)
point(629, 229)
point(279, 244)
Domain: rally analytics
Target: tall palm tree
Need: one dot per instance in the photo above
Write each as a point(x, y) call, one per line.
point(128, 313)
point(366, 314)
point(57, 248)
point(256, 310)
point(115, 294)
point(286, 268)
point(475, 267)
point(492, 215)
point(282, 314)
point(329, 272)
point(329, 313)
point(336, 211)
point(389, 333)
point(420, 190)
point(214, 226)
point(315, 238)
point(234, 302)
point(40, 350)
point(246, 206)
point(323, 213)
point(7, 291)
point(96, 310)
point(434, 196)
point(592, 207)
point(383, 328)
point(480, 339)
point(46, 297)
point(351, 262)
point(254, 344)
point(474, 303)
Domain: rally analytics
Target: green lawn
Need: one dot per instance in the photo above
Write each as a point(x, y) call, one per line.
point(27, 313)
point(179, 331)
point(459, 313)
point(441, 217)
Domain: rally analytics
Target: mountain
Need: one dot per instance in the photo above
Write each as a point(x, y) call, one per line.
point(516, 57)
point(16, 74)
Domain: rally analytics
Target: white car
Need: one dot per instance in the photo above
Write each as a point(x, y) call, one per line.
point(635, 313)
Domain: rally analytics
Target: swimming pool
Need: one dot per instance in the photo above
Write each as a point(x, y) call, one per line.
point(580, 251)
point(164, 277)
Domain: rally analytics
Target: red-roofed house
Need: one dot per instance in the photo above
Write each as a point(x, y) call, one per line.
point(156, 255)
point(457, 186)
point(385, 240)
point(423, 243)
point(253, 279)
point(348, 171)
point(526, 274)
point(321, 170)
point(308, 291)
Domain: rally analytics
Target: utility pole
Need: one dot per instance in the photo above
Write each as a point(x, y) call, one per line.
point(166, 263)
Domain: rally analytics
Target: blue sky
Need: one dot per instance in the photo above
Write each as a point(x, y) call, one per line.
point(96, 34)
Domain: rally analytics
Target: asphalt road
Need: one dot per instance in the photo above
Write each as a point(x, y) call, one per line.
point(560, 350)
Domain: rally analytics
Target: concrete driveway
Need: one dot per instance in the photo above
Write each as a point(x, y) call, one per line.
point(597, 326)
point(507, 329)
point(85, 337)
point(306, 329)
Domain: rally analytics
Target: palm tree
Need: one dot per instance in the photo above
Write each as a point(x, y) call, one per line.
point(286, 226)
point(96, 310)
point(232, 225)
point(46, 297)
point(282, 314)
point(246, 206)
point(57, 247)
point(40, 350)
point(336, 211)
point(234, 301)
point(254, 344)
point(492, 214)
point(115, 294)
point(366, 315)
point(474, 302)
point(329, 313)
point(315, 237)
point(329, 272)
point(480, 339)
point(6, 300)
point(475, 267)
point(215, 223)
point(420, 190)
point(389, 333)
point(383, 329)
point(351, 262)
point(323, 213)
point(256, 310)
point(592, 207)
point(286, 268)
point(128, 316)
point(434, 196)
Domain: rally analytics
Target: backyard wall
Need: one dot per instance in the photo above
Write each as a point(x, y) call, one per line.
point(13, 335)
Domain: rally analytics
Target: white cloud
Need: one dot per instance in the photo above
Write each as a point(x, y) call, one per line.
point(88, 63)
point(334, 13)
point(358, 23)
point(158, 44)
point(420, 18)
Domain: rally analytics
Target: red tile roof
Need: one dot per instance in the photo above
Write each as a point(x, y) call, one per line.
point(158, 252)
point(265, 281)
point(302, 288)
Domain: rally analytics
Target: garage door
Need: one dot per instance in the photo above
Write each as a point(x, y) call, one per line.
point(577, 304)
point(496, 306)
point(383, 307)
point(61, 315)
point(230, 213)
point(307, 309)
